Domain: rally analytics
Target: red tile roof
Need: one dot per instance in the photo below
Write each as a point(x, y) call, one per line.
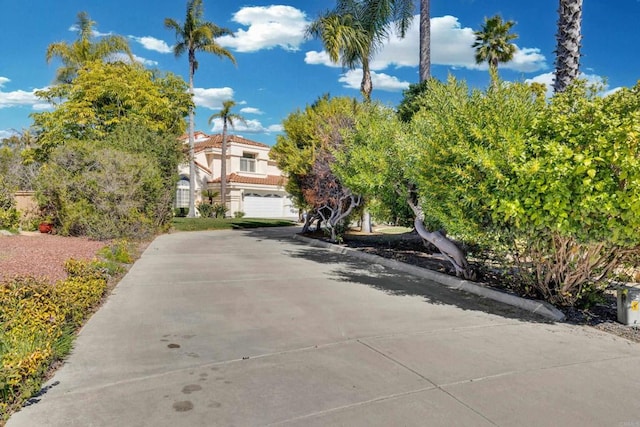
point(215, 141)
point(197, 134)
point(240, 179)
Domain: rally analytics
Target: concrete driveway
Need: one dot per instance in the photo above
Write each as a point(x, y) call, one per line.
point(245, 328)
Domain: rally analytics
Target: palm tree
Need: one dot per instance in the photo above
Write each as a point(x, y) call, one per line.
point(493, 43)
point(84, 50)
point(569, 39)
point(193, 36)
point(228, 118)
point(354, 31)
point(425, 40)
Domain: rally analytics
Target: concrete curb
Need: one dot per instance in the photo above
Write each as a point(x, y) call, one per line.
point(541, 308)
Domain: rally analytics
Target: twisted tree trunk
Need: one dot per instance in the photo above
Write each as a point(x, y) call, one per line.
point(447, 248)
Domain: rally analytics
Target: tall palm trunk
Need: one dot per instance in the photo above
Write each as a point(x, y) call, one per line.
point(223, 165)
point(192, 161)
point(366, 87)
point(425, 40)
point(569, 39)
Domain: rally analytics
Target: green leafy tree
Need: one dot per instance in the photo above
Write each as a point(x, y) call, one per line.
point(85, 50)
point(306, 153)
point(569, 37)
point(378, 162)
point(228, 119)
point(163, 150)
point(354, 31)
point(493, 43)
point(196, 35)
point(104, 96)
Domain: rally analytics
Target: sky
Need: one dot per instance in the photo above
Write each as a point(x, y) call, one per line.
point(280, 71)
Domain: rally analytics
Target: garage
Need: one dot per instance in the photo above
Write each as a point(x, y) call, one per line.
point(263, 205)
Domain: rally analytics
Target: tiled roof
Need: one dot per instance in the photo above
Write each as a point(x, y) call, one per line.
point(197, 134)
point(215, 141)
point(240, 179)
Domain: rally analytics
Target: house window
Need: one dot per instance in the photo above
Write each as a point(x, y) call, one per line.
point(182, 193)
point(248, 162)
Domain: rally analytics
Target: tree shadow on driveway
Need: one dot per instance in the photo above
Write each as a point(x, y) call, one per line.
point(348, 269)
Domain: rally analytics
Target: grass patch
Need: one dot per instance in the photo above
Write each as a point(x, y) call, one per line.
point(202, 224)
point(394, 230)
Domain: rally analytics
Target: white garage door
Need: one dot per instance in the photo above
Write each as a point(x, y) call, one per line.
point(263, 205)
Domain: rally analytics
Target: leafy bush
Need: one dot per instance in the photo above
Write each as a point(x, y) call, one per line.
point(205, 210)
point(38, 322)
point(238, 214)
point(9, 216)
point(9, 219)
point(552, 189)
point(119, 251)
point(102, 193)
point(554, 185)
point(180, 212)
point(220, 210)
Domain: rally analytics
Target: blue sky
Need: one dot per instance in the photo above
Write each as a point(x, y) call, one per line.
point(280, 71)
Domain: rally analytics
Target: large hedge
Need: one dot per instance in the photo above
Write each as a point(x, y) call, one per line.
point(553, 186)
point(102, 193)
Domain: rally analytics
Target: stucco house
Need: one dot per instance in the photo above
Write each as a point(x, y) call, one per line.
point(255, 185)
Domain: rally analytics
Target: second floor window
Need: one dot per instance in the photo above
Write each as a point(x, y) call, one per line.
point(248, 162)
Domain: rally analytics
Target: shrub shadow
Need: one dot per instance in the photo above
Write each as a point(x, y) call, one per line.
point(349, 269)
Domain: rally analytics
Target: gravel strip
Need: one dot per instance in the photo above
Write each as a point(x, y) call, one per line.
point(42, 255)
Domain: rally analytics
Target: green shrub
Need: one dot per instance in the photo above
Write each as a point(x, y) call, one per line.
point(180, 212)
point(9, 219)
point(238, 214)
point(220, 210)
point(120, 251)
point(205, 210)
point(554, 185)
point(77, 295)
point(38, 322)
point(102, 193)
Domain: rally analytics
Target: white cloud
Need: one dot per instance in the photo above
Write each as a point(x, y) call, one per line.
point(211, 98)
point(268, 27)
point(250, 126)
point(450, 46)
point(18, 98)
point(546, 79)
point(251, 110)
point(352, 79)
point(152, 43)
point(145, 61)
point(319, 58)
point(6, 133)
point(125, 58)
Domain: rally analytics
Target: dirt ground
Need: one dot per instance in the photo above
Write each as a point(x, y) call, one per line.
point(42, 255)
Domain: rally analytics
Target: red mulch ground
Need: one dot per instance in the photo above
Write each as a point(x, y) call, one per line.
point(42, 255)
